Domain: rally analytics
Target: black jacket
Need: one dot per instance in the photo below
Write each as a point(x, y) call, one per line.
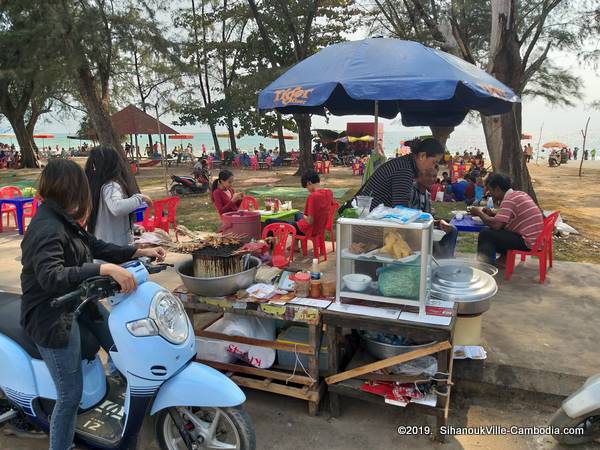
point(57, 255)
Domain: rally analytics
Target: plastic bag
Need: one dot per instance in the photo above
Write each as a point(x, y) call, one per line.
point(426, 365)
point(399, 214)
point(237, 325)
point(400, 280)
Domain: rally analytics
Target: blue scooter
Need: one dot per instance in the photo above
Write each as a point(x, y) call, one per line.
point(196, 407)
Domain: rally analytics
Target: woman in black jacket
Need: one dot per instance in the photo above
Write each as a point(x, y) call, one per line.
point(57, 255)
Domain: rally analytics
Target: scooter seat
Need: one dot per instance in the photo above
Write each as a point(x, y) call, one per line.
point(10, 326)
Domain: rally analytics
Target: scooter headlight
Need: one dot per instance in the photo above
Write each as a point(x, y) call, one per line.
point(167, 312)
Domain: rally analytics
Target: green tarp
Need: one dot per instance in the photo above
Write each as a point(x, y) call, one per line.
point(284, 192)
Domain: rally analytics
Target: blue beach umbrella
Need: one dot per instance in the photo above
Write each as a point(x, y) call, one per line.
point(384, 77)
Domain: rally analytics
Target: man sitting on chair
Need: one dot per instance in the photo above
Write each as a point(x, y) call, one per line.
point(515, 226)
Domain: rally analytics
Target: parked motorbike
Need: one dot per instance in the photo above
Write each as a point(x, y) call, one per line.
point(554, 159)
point(197, 183)
point(578, 419)
point(196, 407)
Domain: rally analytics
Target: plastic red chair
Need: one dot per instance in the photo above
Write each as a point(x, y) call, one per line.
point(318, 166)
point(8, 210)
point(355, 168)
point(247, 201)
point(554, 217)
point(162, 220)
point(30, 209)
point(329, 227)
point(326, 166)
point(318, 236)
point(236, 162)
point(268, 162)
point(294, 158)
point(281, 232)
point(254, 163)
point(210, 162)
point(540, 249)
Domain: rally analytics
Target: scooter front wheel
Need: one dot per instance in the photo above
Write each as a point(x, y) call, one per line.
point(578, 430)
point(208, 428)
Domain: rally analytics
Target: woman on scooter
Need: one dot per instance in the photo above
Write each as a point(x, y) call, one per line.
point(57, 255)
point(115, 196)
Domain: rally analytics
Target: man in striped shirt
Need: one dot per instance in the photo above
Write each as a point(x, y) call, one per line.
point(515, 226)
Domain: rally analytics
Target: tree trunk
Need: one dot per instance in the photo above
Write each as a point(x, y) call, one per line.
point(282, 150)
point(442, 134)
point(231, 131)
point(26, 143)
point(213, 132)
point(503, 133)
point(305, 160)
point(95, 109)
point(504, 147)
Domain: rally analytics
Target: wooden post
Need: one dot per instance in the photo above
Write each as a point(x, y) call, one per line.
point(584, 134)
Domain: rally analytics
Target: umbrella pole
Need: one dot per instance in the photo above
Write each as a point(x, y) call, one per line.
point(376, 132)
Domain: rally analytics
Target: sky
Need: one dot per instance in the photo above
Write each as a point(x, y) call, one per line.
point(557, 123)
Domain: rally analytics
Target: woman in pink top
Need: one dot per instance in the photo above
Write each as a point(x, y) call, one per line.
point(515, 226)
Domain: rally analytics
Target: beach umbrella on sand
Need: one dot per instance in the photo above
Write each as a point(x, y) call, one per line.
point(181, 136)
point(385, 77)
point(283, 136)
point(43, 137)
point(554, 144)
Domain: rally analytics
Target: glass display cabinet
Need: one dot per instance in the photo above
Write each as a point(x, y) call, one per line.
point(383, 261)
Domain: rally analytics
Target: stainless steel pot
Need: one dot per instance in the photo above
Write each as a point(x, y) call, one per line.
point(381, 350)
point(470, 287)
point(217, 286)
point(485, 267)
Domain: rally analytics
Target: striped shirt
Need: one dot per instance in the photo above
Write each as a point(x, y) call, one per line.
point(420, 200)
point(521, 215)
point(392, 183)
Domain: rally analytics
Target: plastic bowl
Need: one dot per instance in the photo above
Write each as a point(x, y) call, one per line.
point(357, 281)
point(438, 235)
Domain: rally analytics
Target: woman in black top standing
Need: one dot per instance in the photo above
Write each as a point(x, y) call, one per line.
point(57, 255)
point(392, 183)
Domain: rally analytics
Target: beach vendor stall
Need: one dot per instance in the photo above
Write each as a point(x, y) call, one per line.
point(428, 88)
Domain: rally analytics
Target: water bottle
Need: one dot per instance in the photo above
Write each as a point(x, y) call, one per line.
point(490, 202)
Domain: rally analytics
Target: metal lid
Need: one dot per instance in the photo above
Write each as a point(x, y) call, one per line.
point(461, 283)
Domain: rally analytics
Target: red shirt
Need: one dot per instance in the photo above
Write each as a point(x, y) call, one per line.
point(521, 215)
point(223, 202)
point(318, 206)
point(470, 190)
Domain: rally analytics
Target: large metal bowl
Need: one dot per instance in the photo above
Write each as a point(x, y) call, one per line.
point(381, 350)
point(217, 286)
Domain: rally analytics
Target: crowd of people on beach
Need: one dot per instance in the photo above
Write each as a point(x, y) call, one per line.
point(10, 158)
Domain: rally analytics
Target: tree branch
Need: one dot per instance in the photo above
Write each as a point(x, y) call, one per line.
point(541, 21)
point(308, 27)
point(263, 33)
point(534, 67)
point(292, 28)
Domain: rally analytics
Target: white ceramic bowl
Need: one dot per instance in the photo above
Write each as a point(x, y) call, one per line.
point(438, 235)
point(357, 281)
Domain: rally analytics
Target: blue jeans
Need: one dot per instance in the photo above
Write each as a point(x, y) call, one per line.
point(64, 365)
point(446, 246)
